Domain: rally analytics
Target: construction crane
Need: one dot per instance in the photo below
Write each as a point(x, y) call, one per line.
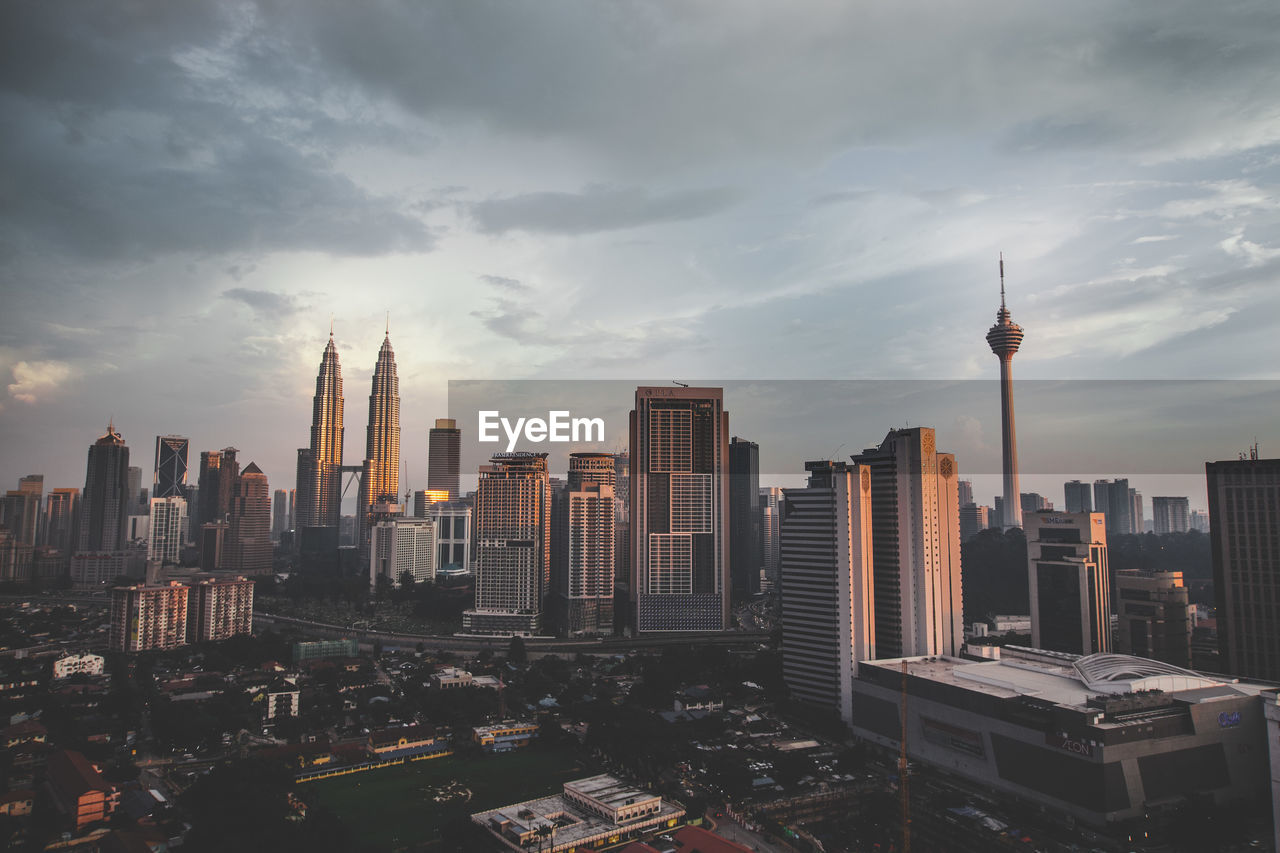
point(903, 789)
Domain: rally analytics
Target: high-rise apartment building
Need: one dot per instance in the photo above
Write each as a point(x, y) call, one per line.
point(1156, 617)
point(167, 530)
point(148, 617)
point(444, 455)
point(402, 545)
point(744, 518)
point(1034, 502)
point(248, 549)
point(171, 467)
point(218, 472)
point(60, 519)
point(279, 514)
point(512, 548)
point(1004, 338)
point(1069, 582)
point(770, 534)
point(583, 593)
point(219, 608)
point(453, 536)
point(105, 500)
point(1078, 497)
point(828, 590)
point(1170, 515)
point(320, 466)
point(679, 509)
point(1244, 529)
point(380, 480)
point(916, 545)
point(1112, 499)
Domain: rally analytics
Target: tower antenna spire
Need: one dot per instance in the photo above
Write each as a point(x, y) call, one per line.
point(331, 325)
point(1002, 279)
point(388, 324)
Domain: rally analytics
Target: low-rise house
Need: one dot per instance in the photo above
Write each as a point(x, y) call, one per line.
point(505, 736)
point(77, 789)
point(401, 742)
point(85, 664)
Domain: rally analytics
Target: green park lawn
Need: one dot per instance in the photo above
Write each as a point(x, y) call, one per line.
point(394, 807)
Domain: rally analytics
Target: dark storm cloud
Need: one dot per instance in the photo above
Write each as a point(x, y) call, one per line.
point(596, 209)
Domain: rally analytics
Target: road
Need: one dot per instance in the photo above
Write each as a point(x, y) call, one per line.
point(739, 834)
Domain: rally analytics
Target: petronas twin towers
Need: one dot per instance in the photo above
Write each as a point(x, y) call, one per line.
point(320, 468)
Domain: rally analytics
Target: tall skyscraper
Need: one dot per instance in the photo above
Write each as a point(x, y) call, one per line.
point(1004, 339)
point(60, 529)
point(20, 514)
point(1244, 526)
point(828, 593)
point(33, 484)
point(916, 545)
point(512, 545)
point(1069, 581)
point(1155, 616)
point(248, 540)
point(770, 534)
point(679, 509)
point(1112, 499)
point(380, 482)
point(974, 519)
point(1077, 496)
point(320, 468)
point(965, 491)
point(279, 514)
point(136, 503)
point(444, 455)
point(1033, 502)
point(1136, 522)
point(744, 518)
point(583, 596)
point(218, 472)
point(171, 467)
point(167, 530)
point(1170, 515)
point(105, 501)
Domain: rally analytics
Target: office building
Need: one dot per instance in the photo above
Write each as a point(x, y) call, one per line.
point(1244, 527)
point(171, 467)
point(1101, 739)
point(453, 537)
point(1112, 499)
point(1199, 521)
point(60, 516)
point(1004, 338)
point(279, 514)
point(403, 545)
point(1069, 582)
point(211, 543)
point(137, 497)
point(105, 500)
point(320, 465)
point(770, 535)
point(744, 518)
point(144, 618)
point(219, 608)
point(218, 472)
point(423, 499)
point(167, 529)
point(679, 510)
point(1170, 515)
point(1078, 496)
point(1156, 617)
point(444, 456)
point(973, 520)
point(512, 546)
point(828, 591)
point(248, 549)
point(1136, 522)
point(584, 594)
point(20, 514)
point(916, 544)
point(380, 480)
point(964, 492)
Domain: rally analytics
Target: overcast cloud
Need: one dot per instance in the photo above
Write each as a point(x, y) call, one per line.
point(587, 190)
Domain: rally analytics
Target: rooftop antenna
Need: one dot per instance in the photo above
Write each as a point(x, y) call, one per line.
point(1002, 280)
point(331, 324)
point(681, 384)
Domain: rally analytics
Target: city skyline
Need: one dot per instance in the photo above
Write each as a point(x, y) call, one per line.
point(1131, 191)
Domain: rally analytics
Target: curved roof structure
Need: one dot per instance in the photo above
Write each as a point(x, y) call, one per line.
point(1111, 673)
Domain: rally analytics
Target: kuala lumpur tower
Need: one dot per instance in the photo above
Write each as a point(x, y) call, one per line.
point(1004, 338)
point(380, 481)
point(321, 504)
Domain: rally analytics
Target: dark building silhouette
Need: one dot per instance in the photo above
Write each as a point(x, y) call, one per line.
point(444, 456)
point(744, 518)
point(171, 467)
point(248, 547)
point(105, 501)
point(218, 472)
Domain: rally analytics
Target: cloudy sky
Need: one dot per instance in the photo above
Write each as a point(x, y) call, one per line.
point(595, 190)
